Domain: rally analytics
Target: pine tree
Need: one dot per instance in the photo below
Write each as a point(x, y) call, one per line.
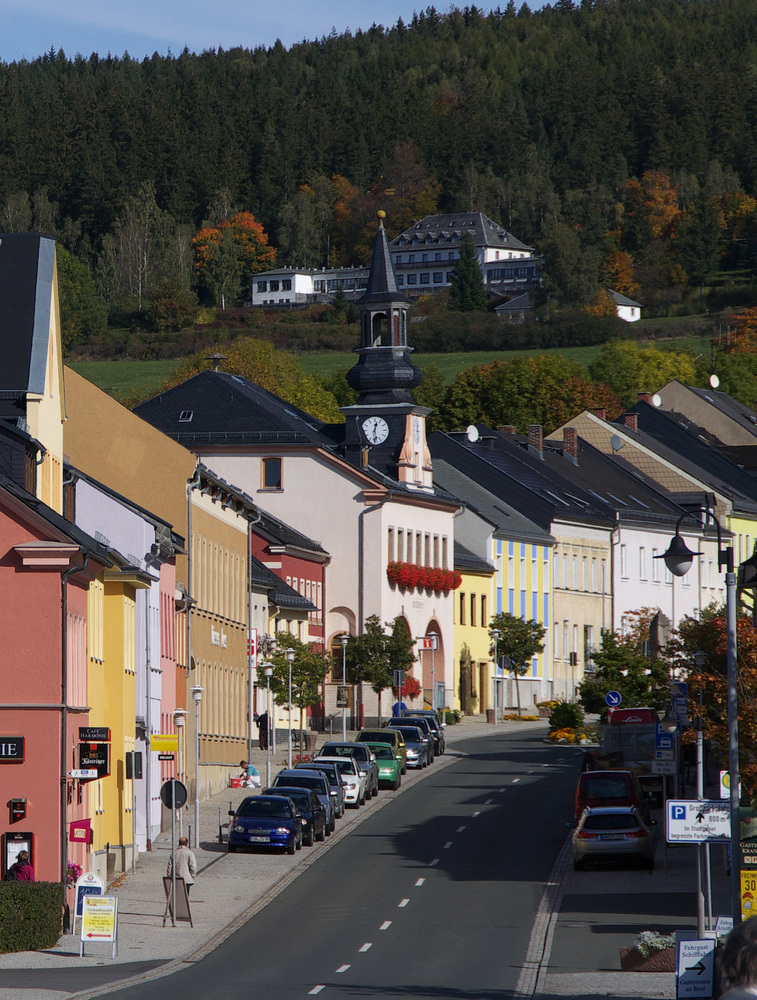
point(468, 292)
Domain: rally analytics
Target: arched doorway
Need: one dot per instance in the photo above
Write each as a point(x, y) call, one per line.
point(431, 654)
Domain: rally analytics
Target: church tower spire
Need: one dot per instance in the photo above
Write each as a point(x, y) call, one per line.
point(385, 428)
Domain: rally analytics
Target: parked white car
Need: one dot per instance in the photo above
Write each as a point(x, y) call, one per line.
point(353, 779)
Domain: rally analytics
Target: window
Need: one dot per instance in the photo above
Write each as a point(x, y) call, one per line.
point(585, 568)
point(462, 609)
point(412, 279)
point(185, 416)
point(642, 563)
point(424, 258)
point(565, 571)
point(437, 256)
point(556, 570)
point(262, 286)
point(438, 277)
point(425, 278)
point(390, 545)
point(449, 276)
point(655, 567)
point(271, 474)
point(400, 279)
point(274, 286)
point(473, 609)
point(401, 546)
point(483, 611)
point(594, 575)
point(398, 259)
point(623, 561)
point(411, 258)
point(286, 285)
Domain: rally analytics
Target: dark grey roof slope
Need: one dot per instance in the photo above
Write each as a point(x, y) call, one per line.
point(27, 262)
point(740, 414)
point(467, 561)
point(281, 594)
point(676, 438)
point(276, 532)
point(219, 408)
point(506, 521)
point(448, 230)
point(382, 282)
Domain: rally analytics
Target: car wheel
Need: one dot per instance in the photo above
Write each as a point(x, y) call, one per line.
point(397, 783)
point(292, 847)
point(404, 768)
point(232, 848)
point(333, 825)
point(322, 835)
point(308, 842)
point(361, 801)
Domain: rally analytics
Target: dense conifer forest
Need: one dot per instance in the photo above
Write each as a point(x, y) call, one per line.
point(618, 137)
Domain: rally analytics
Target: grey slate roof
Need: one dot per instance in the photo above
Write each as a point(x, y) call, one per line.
point(622, 300)
point(276, 532)
point(448, 231)
point(382, 282)
point(742, 415)
point(27, 263)
point(467, 561)
point(675, 438)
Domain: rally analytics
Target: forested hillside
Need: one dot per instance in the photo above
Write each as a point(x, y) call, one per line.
point(619, 137)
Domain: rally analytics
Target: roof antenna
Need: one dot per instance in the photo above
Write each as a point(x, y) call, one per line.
point(216, 359)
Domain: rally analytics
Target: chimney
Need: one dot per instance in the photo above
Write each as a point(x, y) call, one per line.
point(644, 397)
point(507, 429)
point(631, 420)
point(535, 440)
point(601, 412)
point(570, 444)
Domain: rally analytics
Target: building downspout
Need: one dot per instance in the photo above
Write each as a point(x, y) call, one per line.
point(148, 728)
point(361, 579)
point(250, 663)
point(64, 716)
point(191, 484)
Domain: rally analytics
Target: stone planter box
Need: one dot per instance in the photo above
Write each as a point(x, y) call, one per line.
point(659, 961)
point(544, 713)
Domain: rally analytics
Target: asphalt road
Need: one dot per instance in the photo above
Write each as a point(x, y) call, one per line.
point(433, 896)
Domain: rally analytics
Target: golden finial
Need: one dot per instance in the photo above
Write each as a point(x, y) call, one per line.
point(381, 216)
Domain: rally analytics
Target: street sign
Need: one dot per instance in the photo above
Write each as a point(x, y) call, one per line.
point(398, 679)
point(94, 734)
point(165, 742)
point(428, 641)
point(252, 645)
point(613, 699)
point(99, 921)
point(664, 755)
point(83, 772)
point(695, 962)
point(697, 822)
point(662, 740)
point(173, 794)
point(97, 756)
point(725, 785)
point(663, 766)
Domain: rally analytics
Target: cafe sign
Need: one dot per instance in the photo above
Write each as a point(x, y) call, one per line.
point(11, 749)
point(95, 756)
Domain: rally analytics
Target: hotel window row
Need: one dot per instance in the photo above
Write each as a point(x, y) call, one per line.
point(421, 548)
point(573, 571)
point(472, 609)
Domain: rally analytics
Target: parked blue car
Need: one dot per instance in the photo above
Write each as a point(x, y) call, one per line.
point(265, 821)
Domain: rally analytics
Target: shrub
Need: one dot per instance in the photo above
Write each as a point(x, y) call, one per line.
point(451, 716)
point(566, 715)
point(30, 915)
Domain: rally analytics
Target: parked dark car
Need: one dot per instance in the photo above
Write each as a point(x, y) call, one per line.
point(425, 726)
point(431, 719)
point(335, 783)
point(309, 807)
point(318, 782)
point(366, 761)
point(609, 788)
point(265, 821)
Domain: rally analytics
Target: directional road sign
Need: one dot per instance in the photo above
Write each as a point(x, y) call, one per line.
point(613, 698)
point(697, 822)
point(696, 967)
point(83, 772)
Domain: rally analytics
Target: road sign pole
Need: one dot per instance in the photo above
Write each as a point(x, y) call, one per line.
point(173, 859)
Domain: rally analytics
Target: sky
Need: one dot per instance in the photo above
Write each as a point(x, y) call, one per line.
point(30, 28)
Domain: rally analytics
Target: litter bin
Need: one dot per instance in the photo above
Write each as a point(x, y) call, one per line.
point(491, 715)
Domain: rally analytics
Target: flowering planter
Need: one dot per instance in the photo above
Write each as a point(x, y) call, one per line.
point(408, 576)
point(632, 960)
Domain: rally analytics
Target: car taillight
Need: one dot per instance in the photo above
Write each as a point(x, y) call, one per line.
point(585, 835)
point(637, 833)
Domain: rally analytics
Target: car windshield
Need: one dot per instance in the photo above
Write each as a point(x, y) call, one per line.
point(260, 807)
point(300, 797)
point(382, 736)
point(335, 750)
point(408, 733)
point(384, 752)
point(604, 786)
point(422, 724)
point(611, 821)
point(303, 780)
point(346, 766)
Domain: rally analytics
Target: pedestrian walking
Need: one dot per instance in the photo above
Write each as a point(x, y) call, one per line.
point(737, 963)
point(21, 870)
point(186, 864)
point(263, 731)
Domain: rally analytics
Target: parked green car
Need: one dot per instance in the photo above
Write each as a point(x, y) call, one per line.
point(389, 765)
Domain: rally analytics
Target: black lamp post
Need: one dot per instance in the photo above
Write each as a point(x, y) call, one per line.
point(679, 559)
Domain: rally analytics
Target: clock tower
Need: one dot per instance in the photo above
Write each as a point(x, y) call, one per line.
point(385, 429)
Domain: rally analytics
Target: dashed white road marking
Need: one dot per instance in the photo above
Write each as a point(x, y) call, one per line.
point(316, 989)
point(366, 946)
point(448, 845)
point(386, 925)
point(420, 881)
point(460, 829)
point(477, 813)
point(403, 903)
point(516, 780)
point(434, 862)
point(488, 802)
point(343, 968)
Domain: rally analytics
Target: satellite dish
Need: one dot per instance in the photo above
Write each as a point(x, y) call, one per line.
point(714, 381)
point(656, 400)
point(472, 432)
point(616, 443)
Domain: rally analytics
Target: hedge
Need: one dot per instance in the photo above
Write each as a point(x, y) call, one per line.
point(31, 915)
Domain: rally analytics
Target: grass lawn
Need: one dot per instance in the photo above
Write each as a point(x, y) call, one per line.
point(120, 378)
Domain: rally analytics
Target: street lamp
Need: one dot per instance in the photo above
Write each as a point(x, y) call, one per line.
point(679, 559)
point(197, 696)
point(344, 639)
point(496, 634)
point(178, 721)
point(290, 658)
point(267, 671)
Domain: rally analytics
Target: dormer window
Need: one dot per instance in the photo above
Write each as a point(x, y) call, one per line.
point(185, 416)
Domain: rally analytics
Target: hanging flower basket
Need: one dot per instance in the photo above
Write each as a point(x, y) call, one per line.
point(408, 576)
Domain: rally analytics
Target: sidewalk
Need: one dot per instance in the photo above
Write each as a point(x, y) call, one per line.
point(229, 890)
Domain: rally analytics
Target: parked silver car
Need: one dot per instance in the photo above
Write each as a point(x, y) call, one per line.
point(606, 833)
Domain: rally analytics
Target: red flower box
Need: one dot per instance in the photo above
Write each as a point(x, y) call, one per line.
point(408, 576)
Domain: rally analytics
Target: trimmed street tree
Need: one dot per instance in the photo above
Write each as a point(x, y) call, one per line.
point(519, 639)
point(373, 656)
point(309, 669)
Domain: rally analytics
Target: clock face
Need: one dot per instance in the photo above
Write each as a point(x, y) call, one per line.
point(376, 429)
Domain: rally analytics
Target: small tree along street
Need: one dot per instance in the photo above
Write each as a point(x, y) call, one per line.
point(309, 669)
point(520, 639)
point(373, 656)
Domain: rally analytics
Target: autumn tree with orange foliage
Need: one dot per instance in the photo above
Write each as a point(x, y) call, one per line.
point(709, 635)
point(228, 255)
